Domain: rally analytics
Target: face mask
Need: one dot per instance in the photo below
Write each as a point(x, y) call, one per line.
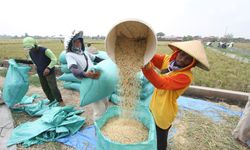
point(77, 50)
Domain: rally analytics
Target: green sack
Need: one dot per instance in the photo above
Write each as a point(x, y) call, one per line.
point(92, 90)
point(72, 86)
point(62, 57)
point(69, 77)
point(102, 54)
point(55, 123)
point(16, 83)
point(114, 98)
point(143, 80)
point(37, 109)
point(146, 91)
point(29, 99)
point(64, 68)
point(142, 115)
point(146, 102)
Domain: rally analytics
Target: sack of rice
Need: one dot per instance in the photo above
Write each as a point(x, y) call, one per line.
point(64, 68)
point(72, 86)
point(62, 57)
point(69, 77)
point(93, 90)
point(117, 133)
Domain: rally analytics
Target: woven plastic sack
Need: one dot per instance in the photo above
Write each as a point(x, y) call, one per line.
point(72, 86)
point(142, 115)
point(55, 123)
point(146, 91)
point(93, 90)
point(16, 83)
point(62, 57)
point(102, 54)
point(64, 68)
point(69, 77)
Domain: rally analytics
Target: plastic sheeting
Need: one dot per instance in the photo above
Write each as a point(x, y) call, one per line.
point(55, 123)
point(16, 83)
point(82, 140)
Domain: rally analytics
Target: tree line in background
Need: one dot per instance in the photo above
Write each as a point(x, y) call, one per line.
point(160, 36)
point(226, 38)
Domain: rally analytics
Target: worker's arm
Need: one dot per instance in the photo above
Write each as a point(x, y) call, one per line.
point(23, 61)
point(158, 60)
point(176, 82)
point(52, 57)
point(94, 58)
point(98, 59)
point(77, 72)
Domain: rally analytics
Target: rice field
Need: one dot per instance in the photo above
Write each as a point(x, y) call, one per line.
point(225, 73)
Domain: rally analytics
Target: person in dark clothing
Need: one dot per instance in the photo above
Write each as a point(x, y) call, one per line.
point(45, 61)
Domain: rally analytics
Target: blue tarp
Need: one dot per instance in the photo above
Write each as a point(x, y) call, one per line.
point(206, 108)
point(84, 139)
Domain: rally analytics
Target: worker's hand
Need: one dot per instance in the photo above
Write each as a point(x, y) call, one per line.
point(46, 72)
point(147, 66)
point(92, 75)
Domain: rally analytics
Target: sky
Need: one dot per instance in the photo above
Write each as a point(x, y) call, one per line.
point(96, 17)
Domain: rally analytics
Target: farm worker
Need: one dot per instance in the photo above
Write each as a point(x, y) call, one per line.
point(45, 61)
point(174, 78)
point(79, 62)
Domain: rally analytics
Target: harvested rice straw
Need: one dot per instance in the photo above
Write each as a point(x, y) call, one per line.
point(125, 130)
point(129, 54)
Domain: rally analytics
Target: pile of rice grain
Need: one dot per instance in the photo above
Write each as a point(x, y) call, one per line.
point(129, 56)
point(125, 130)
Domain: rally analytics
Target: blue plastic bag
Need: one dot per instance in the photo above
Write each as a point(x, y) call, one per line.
point(83, 140)
point(16, 83)
point(143, 115)
point(92, 90)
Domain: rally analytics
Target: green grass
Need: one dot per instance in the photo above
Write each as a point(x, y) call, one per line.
point(245, 46)
point(195, 131)
point(226, 73)
point(14, 48)
point(34, 79)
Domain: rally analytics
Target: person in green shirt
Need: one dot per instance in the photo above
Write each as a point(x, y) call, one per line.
point(45, 61)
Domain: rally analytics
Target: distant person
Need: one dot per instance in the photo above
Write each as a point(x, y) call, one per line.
point(91, 49)
point(174, 78)
point(89, 44)
point(79, 62)
point(45, 61)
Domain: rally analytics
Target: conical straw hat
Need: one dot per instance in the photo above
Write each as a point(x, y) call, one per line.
point(195, 49)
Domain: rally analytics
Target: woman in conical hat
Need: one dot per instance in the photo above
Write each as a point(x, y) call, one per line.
point(174, 78)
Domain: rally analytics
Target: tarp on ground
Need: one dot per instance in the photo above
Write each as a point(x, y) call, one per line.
point(55, 123)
